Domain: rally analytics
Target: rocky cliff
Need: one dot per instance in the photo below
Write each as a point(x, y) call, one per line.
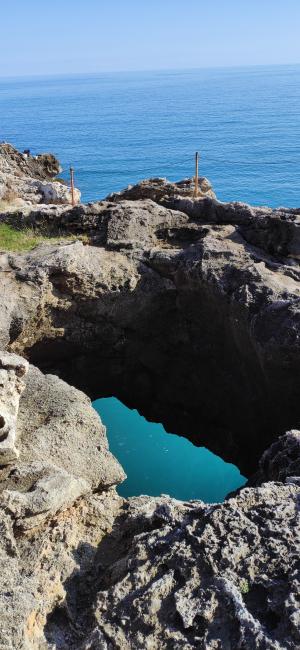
point(187, 309)
point(27, 180)
point(192, 314)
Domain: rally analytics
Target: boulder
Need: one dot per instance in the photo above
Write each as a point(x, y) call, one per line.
point(158, 189)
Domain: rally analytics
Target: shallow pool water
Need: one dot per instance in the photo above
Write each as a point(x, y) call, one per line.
point(157, 462)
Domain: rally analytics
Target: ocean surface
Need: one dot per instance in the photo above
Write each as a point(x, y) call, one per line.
point(116, 129)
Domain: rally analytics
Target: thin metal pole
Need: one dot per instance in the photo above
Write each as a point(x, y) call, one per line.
point(72, 186)
point(196, 174)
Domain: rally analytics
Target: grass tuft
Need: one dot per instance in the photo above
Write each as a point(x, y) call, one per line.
point(15, 240)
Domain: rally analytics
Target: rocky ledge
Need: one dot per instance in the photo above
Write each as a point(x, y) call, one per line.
point(187, 309)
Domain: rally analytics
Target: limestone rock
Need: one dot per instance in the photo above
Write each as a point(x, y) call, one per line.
point(57, 499)
point(48, 490)
point(84, 569)
point(158, 189)
point(26, 180)
point(54, 193)
point(62, 447)
point(281, 462)
point(189, 323)
point(190, 576)
point(66, 430)
point(45, 565)
point(12, 370)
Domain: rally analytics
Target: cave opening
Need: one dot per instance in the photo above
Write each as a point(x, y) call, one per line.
point(157, 462)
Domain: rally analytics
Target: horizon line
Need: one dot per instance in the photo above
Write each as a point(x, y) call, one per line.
point(146, 70)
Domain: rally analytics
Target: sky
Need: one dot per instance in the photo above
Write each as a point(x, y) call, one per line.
point(64, 36)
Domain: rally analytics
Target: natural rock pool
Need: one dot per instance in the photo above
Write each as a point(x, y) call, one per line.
point(157, 462)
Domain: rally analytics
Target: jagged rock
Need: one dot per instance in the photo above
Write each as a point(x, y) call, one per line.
point(44, 566)
point(12, 370)
point(48, 490)
point(62, 447)
point(282, 460)
point(26, 180)
point(158, 189)
point(190, 576)
point(57, 495)
point(43, 166)
point(85, 570)
point(277, 231)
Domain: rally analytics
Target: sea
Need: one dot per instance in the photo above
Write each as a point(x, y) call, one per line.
point(118, 128)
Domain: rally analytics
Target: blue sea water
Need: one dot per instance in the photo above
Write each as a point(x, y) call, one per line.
point(116, 129)
point(157, 462)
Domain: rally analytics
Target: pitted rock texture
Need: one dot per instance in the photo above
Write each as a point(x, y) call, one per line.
point(184, 575)
point(12, 370)
point(58, 499)
point(43, 566)
point(158, 189)
point(27, 180)
point(83, 569)
point(62, 449)
point(281, 460)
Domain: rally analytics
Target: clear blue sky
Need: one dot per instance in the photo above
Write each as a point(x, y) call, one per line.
point(61, 36)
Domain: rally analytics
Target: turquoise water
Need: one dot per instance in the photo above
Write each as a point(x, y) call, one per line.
point(116, 129)
point(157, 462)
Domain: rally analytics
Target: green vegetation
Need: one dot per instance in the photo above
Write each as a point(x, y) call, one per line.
point(15, 240)
point(244, 586)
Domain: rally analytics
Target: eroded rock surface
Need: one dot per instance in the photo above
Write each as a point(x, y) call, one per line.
point(188, 322)
point(12, 370)
point(191, 576)
point(159, 189)
point(84, 569)
point(52, 493)
point(190, 307)
point(187, 309)
point(282, 460)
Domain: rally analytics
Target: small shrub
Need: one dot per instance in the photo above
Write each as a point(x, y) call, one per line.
point(244, 586)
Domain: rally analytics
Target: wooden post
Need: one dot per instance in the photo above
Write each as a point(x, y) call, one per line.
point(196, 174)
point(72, 186)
